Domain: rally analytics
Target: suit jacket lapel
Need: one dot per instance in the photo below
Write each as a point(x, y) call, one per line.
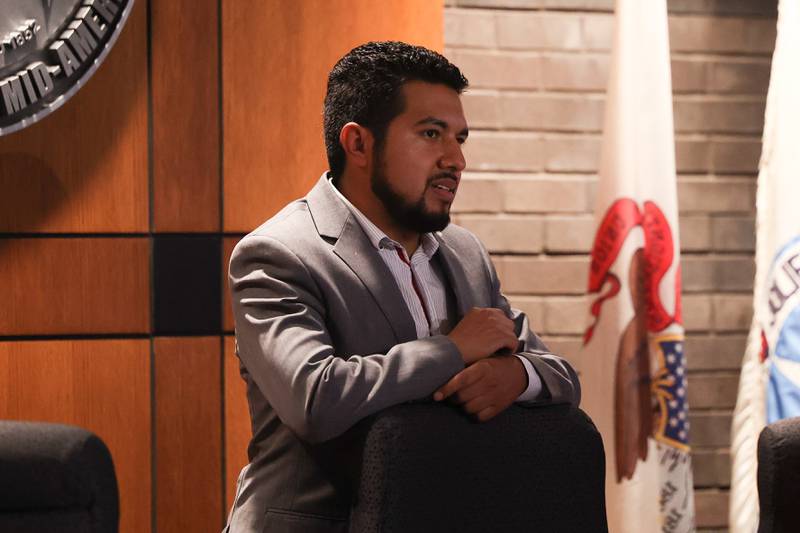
point(454, 271)
point(334, 220)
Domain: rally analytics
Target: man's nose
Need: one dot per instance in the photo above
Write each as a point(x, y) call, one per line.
point(453, 157)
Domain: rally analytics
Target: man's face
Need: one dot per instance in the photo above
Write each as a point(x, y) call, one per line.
point(418, 168)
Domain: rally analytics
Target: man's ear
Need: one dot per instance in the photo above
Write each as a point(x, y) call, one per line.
point(356, 141)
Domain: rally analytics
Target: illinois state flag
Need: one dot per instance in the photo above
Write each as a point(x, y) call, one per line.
point(634, 367)
point(769, 386)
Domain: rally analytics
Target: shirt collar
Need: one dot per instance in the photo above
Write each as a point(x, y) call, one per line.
point(379, 239)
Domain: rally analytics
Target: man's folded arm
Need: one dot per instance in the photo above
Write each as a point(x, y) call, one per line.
point(285, 345)
point(559, 381)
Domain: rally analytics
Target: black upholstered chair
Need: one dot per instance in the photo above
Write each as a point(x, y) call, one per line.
point(55, 478)
point(779, 476)
point(428, 467)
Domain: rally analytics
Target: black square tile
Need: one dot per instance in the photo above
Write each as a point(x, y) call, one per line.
point(187, 284)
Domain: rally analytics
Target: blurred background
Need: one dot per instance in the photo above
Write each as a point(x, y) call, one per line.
point(118, 212)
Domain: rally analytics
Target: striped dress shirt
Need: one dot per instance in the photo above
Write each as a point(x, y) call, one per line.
point(421, 283)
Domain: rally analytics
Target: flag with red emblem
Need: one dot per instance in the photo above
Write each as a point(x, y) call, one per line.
point(633, 362)
point(769, 386)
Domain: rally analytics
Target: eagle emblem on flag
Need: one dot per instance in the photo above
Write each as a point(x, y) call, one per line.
point(650, 381)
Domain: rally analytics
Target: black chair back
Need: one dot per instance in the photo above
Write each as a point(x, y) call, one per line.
point(55, 478)
point(779, 476)
point(428, 467)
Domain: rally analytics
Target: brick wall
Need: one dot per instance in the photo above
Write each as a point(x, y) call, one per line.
point(538, 72)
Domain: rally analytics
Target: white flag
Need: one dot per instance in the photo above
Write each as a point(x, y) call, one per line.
point(634, 371)
point(769, 386)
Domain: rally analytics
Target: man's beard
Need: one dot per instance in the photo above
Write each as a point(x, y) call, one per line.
point(409, 215)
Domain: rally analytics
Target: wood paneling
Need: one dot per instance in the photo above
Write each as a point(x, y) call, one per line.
point(75, 285)
point(185, 115)
point(101, 385)
point(237, 421)
point(275, 86)
point(188, 414)
point(228, 243)
point(84, 167)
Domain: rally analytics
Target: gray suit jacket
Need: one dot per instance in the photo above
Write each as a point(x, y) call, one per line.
point(325, 339)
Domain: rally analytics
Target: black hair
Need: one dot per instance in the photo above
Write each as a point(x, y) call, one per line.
point(365, 87)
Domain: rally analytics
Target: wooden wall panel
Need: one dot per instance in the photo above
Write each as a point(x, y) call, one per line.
point(76, 285)
point(101, 385)
point(188, 411)
point(237, 422)
point(274, 87)
point(185, 115)
point(84, 168)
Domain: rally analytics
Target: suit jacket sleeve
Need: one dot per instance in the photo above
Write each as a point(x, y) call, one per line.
point(559, 379)
point(283, 341)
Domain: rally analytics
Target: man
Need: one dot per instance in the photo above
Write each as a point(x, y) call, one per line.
point(361, 295)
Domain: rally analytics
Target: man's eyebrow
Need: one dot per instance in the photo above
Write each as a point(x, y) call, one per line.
point(441, 123)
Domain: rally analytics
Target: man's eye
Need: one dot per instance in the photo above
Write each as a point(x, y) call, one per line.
point(432, 134)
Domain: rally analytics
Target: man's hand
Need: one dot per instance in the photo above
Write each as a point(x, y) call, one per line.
point(482, 332)
point(486, 388)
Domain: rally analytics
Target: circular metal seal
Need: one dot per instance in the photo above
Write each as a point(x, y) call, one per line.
point(48, 50)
